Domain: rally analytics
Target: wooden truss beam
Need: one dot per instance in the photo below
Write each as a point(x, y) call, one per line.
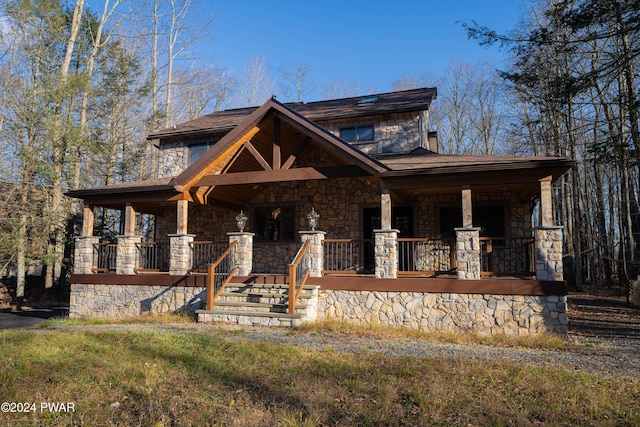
point(301, 174)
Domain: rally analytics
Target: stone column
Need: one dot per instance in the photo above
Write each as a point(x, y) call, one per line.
point(316, 251)
point(468, 253)
point(127, 254)
point(83, 260)
point(548, 253)
point(244, 251)
point(180, 255)
point(386, 253)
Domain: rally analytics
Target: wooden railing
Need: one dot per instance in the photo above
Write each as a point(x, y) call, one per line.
point(342, 256)
point(104, 256)
point(426, 256)
point(219, 274)
point(153, 256)
point(204, 253)
point(299, 271)
point(507, 256)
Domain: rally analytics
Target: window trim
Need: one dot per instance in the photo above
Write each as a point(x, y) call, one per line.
point(356, 129)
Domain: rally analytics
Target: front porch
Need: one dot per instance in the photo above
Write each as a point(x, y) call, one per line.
point(424, 236)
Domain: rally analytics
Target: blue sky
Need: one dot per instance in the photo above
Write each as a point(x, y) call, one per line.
point(372, 42)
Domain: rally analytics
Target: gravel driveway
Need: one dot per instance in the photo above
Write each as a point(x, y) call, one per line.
point(604, 330)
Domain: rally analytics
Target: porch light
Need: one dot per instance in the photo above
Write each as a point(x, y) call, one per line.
point(241, 220)
point(312, 217)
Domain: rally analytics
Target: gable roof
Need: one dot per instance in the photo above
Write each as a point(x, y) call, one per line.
point(390, 102)
point(246, 129)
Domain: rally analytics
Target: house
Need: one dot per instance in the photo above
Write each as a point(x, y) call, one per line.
point(332, 209)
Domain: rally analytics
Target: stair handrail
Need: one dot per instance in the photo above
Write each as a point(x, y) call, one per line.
point(294, 289)
point(224, 276)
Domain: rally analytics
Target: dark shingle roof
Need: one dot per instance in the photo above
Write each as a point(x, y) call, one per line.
point(392, 102)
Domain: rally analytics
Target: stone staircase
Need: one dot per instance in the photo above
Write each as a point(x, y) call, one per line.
point(263, 301)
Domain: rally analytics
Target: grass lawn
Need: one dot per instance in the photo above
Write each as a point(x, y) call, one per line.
point(156, 378)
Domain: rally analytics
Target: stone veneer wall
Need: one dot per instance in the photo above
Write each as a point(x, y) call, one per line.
point(119, 301)
point(172, 159)
point(393, 133)
point(451, 312)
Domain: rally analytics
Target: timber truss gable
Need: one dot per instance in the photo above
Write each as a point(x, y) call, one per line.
point(274, 144)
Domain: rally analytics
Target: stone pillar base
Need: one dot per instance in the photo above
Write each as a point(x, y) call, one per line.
point(127, 254)
point(386, 253)
point(180, 253)
point(243, 256)
point(316, 251)
point(548, 253)
point(468, 253)
point(83, 260)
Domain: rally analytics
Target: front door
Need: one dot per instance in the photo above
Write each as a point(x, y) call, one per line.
point(402, 220)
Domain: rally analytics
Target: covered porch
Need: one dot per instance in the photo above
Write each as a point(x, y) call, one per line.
point(280, 199)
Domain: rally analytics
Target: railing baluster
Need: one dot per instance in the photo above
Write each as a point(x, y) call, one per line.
point(342, 256)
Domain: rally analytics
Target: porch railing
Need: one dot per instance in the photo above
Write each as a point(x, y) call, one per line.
point(104, 257)
point(510, 256)
point(426, 256)
point(219, 274)
point(342, 256)
point(153, 256)
point(299, 271)
point(205, 252)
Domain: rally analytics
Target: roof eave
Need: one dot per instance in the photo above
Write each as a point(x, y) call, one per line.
point(559, 165)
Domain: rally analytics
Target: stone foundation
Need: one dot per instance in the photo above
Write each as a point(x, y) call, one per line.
point(120, 301)
point(484, 314)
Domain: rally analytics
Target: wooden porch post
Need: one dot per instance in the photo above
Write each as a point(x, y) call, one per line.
point(546, 205)
point(467, 207)
point(385, 208)
point(87, 221)
point(129, 220)
point(182, 217)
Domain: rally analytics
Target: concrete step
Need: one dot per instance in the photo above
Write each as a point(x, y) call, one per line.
point(249, 318)
point(256, 307)
point(263, 297)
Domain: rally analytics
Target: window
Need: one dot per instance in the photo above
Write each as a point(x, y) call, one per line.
point(357, 133)
point(274, 224)
point(490, 219)
point(197, 150)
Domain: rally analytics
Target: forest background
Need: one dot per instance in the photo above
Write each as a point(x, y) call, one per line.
point(80, 89)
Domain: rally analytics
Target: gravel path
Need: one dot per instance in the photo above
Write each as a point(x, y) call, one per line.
point(605, 333)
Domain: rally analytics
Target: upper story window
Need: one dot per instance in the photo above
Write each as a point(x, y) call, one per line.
point(357, 133)
point(197, 150)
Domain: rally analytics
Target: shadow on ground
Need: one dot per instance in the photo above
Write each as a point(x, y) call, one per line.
point(603, 317)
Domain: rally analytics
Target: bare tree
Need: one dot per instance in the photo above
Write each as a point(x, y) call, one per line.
point(201, 90)
point(338, 88)
point(256, 86)
point(296, 83)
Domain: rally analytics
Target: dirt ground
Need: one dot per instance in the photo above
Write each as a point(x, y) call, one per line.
point(597, 318)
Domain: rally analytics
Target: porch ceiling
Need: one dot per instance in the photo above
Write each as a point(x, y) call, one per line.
point(279, 151)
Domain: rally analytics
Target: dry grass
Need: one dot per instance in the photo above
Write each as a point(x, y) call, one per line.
point(161, 319)
point(539, 341)
point(168, 378)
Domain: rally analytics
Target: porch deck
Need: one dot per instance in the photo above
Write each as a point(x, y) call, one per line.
point(356, 282)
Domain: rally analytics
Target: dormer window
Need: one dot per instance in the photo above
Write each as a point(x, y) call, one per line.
point(357, 133)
